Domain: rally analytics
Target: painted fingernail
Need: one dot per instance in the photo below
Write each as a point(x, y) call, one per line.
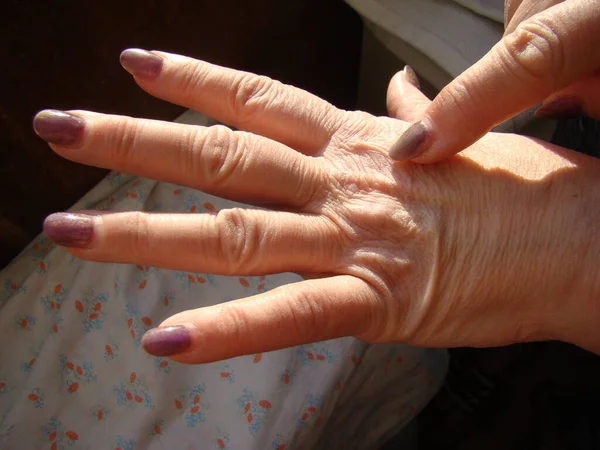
point(167, 341)
point(411, 76)
point(70, 230)
point(59, 127)
point(560, 108)
point(141, 63)
point(411, 144)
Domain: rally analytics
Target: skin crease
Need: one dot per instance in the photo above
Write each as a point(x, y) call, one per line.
point(487, 248)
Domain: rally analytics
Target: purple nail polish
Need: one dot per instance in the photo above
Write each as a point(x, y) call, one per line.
point(411, 76)
point(141, 63)
point(58, 127)
point(560, 108)
point(411, 144)
point(69, 230)
point(167, 341)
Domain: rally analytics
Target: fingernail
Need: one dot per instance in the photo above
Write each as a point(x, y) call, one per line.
point(69, 230)
point(141, 63)
point(167, 341)
point(411, 76)
point(59, 127)
point(411, 144)
point(560, 108)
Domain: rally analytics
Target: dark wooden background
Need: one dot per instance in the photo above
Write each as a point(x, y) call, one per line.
point(64, 55)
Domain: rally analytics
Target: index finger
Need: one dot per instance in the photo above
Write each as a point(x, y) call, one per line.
point(544, 54)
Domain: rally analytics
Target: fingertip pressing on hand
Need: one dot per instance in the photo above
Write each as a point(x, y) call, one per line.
point(542, 56)
point(413, 142)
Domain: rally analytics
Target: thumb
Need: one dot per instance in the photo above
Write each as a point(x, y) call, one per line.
point(405, 101)
point(546, 53)
point(581, 98)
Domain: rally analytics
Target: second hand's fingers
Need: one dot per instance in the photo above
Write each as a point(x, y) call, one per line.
point(547, 52)
point(405, 101)
point(516, 12)
point(233, 164)
point(231, 242)
point(295, 314)
point(243, 100)
point(581, 98)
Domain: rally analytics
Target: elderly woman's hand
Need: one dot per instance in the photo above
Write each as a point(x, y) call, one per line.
point(550, 52)
point(488, 248)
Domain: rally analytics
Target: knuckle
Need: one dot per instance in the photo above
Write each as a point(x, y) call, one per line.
point(220, 153)
point(534, 49)
point(191, 78)
point(238, 325)
point(239, 240)
point(313, 186)
point(137, 225)
point(251, 95)
point(121, 142)
point(309, 320)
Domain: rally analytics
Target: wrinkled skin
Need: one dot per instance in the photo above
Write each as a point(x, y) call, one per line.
point(479, 250)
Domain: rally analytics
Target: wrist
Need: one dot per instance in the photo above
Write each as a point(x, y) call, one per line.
point(544, 253)
point(580, 236)
point(565, 277)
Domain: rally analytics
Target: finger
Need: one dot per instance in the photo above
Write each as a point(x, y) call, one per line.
point(510, 8)
point(244, 100)
point(294, 314)
point(517, 12)
point(579, 99)
point(405, 101)
point(214, 159)
point(231, 242)
point(546, 53)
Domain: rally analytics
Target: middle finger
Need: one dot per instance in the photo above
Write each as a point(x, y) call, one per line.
point(232, 242)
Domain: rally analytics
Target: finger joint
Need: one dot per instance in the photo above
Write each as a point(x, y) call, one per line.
point(239, 239)
point(251, 95)
point(308, 316)
point(192, 77)
point(534, 50)
point(121, 142)
point(137, 223)
point(220, 153)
